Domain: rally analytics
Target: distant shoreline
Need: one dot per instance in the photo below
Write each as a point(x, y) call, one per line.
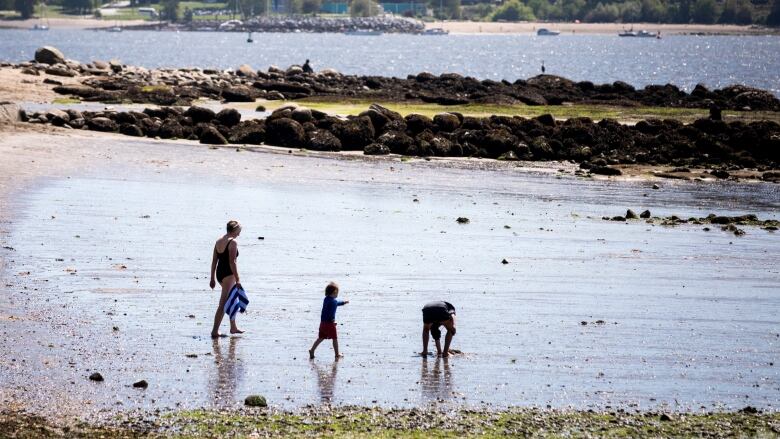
point(457, 27)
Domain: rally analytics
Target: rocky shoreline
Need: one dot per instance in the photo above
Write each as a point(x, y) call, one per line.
point(114, 82)
point(596, 146)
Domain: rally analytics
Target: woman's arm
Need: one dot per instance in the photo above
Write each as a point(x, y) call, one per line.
point(213, 281)
point(233, 255)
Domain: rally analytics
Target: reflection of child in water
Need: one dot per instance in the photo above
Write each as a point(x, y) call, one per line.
point(328, 319)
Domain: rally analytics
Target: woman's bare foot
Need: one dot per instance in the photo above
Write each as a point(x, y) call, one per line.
point(311, 354)
point(216, 335)
point(339, 356)
point(236, 331)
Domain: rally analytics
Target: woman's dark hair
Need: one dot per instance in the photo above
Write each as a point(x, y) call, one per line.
point(331, 288)
point(232, 225)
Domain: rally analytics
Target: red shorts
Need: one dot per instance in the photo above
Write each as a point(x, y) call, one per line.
point(328, 330)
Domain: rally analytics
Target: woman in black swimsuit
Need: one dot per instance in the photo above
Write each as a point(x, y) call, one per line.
point(223, 265)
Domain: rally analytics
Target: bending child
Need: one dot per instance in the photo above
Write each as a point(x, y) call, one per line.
point(328, 319)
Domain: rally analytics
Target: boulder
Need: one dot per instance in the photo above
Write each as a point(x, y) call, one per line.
point(355, 133)
point(285, 132)
point(446, 122)
point(630, 214)
point(246, 71)
point(301, 115)
point(58, 117)
point(198, 114)
point(49, 55)
point(9, 113)
point(130, 130)
point(255, 401)
point(102, 124)
point(396, 141)
point(238, 94)
point(605, 170)
point(417, 123)
point(376, 149)
point(212, 136)
point(249, 132)
point(60, 70)
point(171, 129)
point(323, 140)
point(228, 117)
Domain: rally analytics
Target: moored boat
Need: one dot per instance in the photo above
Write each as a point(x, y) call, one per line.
point(547, 32)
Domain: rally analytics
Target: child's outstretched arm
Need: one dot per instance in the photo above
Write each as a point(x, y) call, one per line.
point(341, 302)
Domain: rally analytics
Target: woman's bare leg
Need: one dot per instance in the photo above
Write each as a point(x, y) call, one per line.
point(227, 284)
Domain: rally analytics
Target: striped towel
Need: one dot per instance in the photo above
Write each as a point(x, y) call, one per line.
point(237, 301)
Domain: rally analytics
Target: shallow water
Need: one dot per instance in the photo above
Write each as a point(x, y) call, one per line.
point(716, 61)
point(691, 316)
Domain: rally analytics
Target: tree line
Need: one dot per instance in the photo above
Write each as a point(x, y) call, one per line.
point(599, 11)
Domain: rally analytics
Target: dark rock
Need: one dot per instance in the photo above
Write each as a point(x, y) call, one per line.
point(96, 376)
point(238, 94)
point(323, 140)
point(605, 170)
point(170, 129)
point(141, 384)
point(645, 214)
point(771, 176)
point(102, 124)
point(417, 123)
point(260, 108)
point(355, 133)
point(255, 401)
point(49, 55)
point(719, 173)
point(60, 70)
point(301, 115)
point(630, 214)
point(130, 130)
point(446, 122)
point(249, 132)
point(32, 71)
point(285, 132)
point(504, 261)
point(462, 220)
point(376, 149)
point(198, 114)
point(749, 410)
point(229, 117)
point(58, 117)
point(398, 142)
point(212, 136)
point(546, 119)
point(664, 417)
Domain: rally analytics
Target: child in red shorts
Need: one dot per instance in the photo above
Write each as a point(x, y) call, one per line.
point(328, 319)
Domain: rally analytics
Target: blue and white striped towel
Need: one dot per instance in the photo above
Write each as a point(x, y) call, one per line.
point(237, 301)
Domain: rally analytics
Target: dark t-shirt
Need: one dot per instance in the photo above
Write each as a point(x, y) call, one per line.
point(436, 312)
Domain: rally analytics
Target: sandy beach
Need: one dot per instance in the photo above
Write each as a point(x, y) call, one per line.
point(470, 27)
point(567, 322)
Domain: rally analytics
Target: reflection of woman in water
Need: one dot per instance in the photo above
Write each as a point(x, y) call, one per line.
point(436, 384)
point(223, 266)
point(326, 380)
point(223, 388)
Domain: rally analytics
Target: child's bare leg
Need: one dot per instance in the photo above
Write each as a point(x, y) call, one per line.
point(314, 347)
point(336, 348)
point(234, 329)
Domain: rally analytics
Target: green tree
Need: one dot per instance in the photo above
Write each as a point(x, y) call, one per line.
point(188, 15)
point(744, 12)
point(543, 9)
point(363, 8)
point(311, 6)
point(729, 14)
point(773, 19)
point(25, 7)
point(653, 11)
point(170, 10)
point(705, 11)
point(603, 13)
point(80, 7)
point(513, 10)
point(631, 12)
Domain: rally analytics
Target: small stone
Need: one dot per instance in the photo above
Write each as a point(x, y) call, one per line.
point(583, 323)
point(462, 220)
point(630, 214)
point(96, 376)
point(645, 214)
point(141, 384)
point(260, 238)
point(749, 410)
point(655, 186)
point(504, 261)
point(255, 401)
point(260, 108)
point(116, 328)
point(664, 417)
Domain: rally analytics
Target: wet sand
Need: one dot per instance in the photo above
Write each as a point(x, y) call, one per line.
point(117, 232)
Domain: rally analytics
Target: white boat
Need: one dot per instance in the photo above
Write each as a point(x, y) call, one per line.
point(547, 32)
point(435, 31)
point(363, 32)
point(646, 34)
point(40, 27)
point(114, 29)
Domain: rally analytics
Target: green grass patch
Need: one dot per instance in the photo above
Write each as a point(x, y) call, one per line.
point(66, 101)
point(156, 89)
point(595, 112)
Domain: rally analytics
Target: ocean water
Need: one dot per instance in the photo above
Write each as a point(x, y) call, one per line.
point(715, 61)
